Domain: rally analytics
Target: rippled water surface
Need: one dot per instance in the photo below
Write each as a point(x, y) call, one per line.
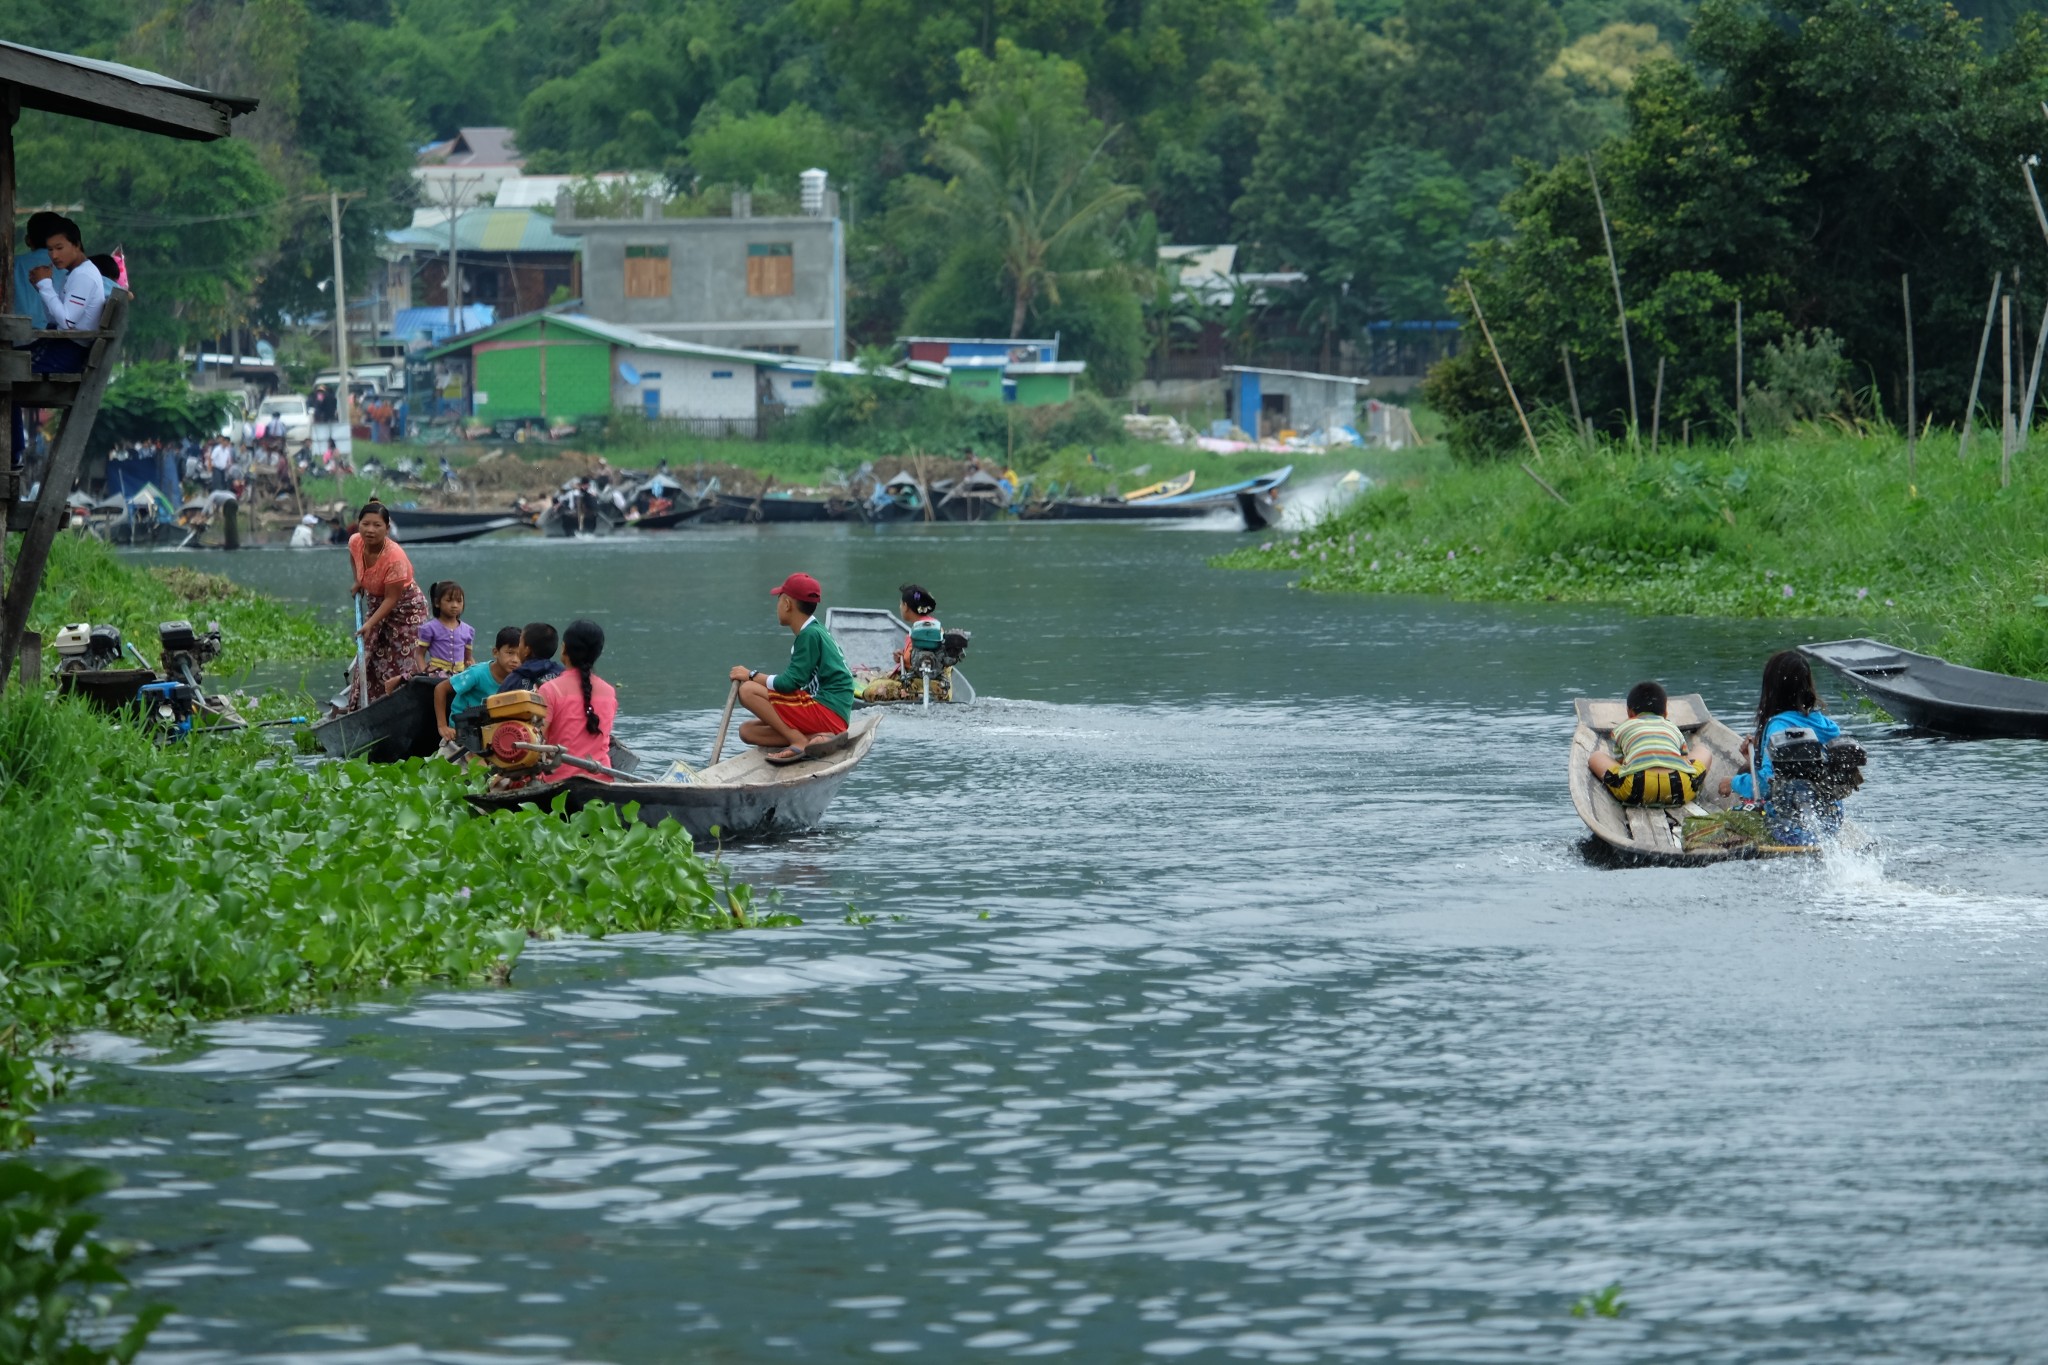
point(1235, 989)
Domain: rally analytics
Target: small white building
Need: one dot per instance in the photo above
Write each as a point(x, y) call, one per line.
point(1265, 402)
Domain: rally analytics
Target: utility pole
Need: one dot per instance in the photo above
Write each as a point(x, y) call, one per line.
point(452, 201)
point(340, 303)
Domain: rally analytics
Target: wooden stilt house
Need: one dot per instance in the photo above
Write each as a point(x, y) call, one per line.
point(100, 92)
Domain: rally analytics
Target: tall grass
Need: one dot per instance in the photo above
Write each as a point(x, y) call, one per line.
point(86, 581)
point(1815, 523)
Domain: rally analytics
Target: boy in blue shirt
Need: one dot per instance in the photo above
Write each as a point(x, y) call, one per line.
point(474, 686)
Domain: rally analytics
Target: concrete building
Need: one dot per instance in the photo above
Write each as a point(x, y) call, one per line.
point(769, 284)
point(567, 367)
point(1264, 402)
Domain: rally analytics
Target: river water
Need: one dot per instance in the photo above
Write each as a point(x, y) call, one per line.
point(1235, 989)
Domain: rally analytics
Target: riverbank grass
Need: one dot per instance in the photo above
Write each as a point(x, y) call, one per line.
point(87, 581)
point(1812, 525)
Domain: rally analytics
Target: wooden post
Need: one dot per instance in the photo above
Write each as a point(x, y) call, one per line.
point(1657, 406)
point(2033, 380)
point(1977, 378)
point(1628, 354)
point(1912, 379)
point(1571, 387)
point(1502, 366)
point(1738, 371)
point(2005, 428)
point(65, 458)
point(10, 110)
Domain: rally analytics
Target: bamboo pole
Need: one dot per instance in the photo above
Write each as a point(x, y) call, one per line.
point(2034, 380)
point(1523, 417)
point(1657, 406)
point(1571, 386)
point(1977, 378)
point(1502, 366)
point(1912, 378)
point(2005, 427)
point(1628, 355)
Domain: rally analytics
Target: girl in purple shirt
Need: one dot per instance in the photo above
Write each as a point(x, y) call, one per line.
point(447, 645)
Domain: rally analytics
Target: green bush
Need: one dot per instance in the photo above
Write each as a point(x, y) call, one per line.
point(54, 1274)
point(173, 884)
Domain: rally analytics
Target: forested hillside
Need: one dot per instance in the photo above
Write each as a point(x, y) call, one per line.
point(1008, 165)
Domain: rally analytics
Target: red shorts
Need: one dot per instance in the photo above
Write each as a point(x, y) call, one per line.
point(801, 711)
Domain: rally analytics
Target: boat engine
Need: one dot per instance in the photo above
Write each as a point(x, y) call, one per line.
point(88, 649)
point(496, 729)
point(186, 652)
point(169, 707)
point(1833, 769)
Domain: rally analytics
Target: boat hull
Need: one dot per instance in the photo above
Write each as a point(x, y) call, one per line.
point(600, 519)
point(743, 798)
point(732, 507)
point(388, 730)
point(669, 520)
point(435, 519)
point(1260, 510)
point(1930, 693)
point(454, 535)
point(1643, 836)
point(109, 689)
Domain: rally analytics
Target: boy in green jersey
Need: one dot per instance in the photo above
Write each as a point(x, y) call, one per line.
point(812, 699)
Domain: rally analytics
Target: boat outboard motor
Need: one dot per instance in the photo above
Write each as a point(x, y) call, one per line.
point(1809, 778)
point(186, 652)
point(102, 649)
point(496, 729)
point(71, 645)
point(932, 652)
point(169, 706)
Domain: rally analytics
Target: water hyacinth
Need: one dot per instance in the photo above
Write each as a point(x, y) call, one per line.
point(199, 880)
point(1787, 590)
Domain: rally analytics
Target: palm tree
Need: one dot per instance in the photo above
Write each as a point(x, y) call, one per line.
point(1026, 159)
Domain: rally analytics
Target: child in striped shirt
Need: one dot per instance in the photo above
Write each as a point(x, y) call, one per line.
point(1652, 765)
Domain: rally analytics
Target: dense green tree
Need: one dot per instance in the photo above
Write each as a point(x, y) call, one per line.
point(742, 149)
point(1029, 182)
point(1829, 147)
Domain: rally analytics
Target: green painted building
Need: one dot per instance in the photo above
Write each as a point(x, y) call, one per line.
point(540, 367)
point(981, 382)
point(1037, 384)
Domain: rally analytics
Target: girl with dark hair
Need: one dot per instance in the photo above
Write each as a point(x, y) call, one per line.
point(581, 705)
point(395, 608)
point(447, 643)
point(1788, 701)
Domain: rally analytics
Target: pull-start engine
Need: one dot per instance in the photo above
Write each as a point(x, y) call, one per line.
point(186, 652)
point(496, 729)
point(85, 648)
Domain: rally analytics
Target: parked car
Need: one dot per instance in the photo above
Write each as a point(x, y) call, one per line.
point(292, 411)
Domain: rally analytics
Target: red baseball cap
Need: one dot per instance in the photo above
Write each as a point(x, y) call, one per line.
point(801, 586)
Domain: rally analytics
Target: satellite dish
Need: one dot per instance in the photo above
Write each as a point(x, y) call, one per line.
point(628, 373)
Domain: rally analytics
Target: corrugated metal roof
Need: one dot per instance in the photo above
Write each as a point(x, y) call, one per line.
point(489, 230)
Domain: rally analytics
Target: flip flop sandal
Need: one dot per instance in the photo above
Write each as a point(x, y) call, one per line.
point(782, 758)
point(825, 745)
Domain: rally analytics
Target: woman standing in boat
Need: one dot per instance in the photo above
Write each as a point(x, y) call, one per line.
point(395, 605)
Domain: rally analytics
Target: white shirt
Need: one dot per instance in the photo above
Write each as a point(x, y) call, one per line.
point(222, 457)
point(85, 294)
point(302, 537)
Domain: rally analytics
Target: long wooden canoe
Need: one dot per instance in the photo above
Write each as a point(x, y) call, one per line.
point(388, 730)
point(744, 797)
point(1656, 836)
point(869, 638)
point(1934, 694)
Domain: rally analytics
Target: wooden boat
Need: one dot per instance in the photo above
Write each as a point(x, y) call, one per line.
point(388, 730)
point(978, 497)
point(417, 519)
point(1934, 694)
point(672, 518)
point(777, 508)
point(588, 515)
point(1261, 510)
point(1165, 488)
point(743, 797)
point(902, 498)
point(1644, 835)
point(109, 689)
point(869, 637)
point(451, 535)
point(1200, 503)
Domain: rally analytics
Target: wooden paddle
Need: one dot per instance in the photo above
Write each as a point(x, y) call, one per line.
point(362, 659)
point(724, 720)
